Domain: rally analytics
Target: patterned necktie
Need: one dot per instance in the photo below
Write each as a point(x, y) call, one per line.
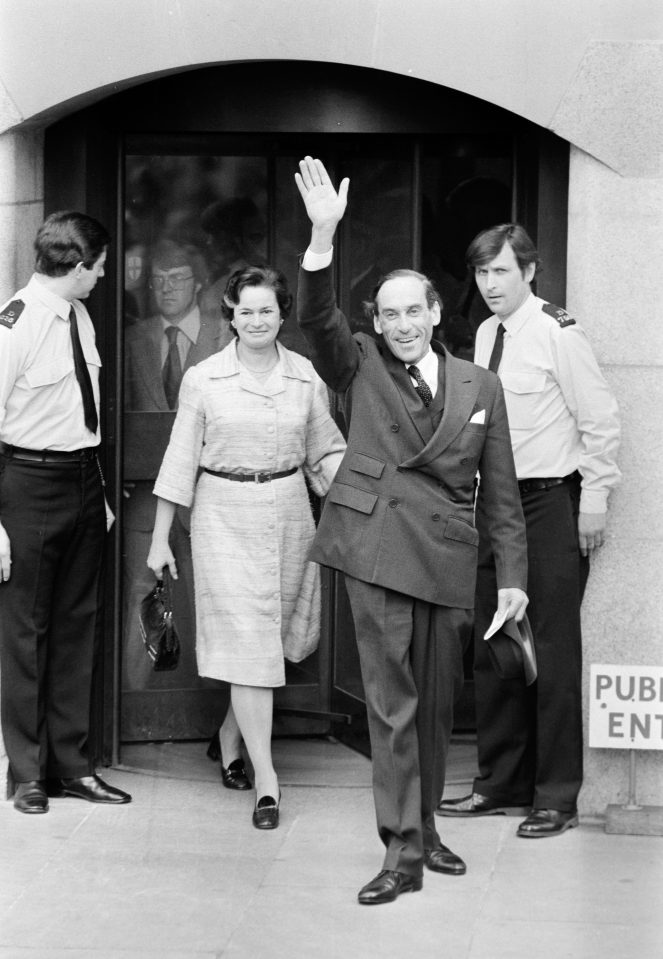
point(422, 387)
point(83, 375)
point(172, 368)
point(498, 346)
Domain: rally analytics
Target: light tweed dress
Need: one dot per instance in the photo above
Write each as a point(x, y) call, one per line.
point(257, 595)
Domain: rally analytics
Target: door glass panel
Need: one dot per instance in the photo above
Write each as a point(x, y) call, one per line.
point(191, 220)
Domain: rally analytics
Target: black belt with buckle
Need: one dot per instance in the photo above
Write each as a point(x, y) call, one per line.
point(252, 477)
point(532, 485)
point(48, 456)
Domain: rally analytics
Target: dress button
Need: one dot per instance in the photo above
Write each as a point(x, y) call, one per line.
point(436, 517)
point(465, 460)
point(393, 503)
point(395, 427)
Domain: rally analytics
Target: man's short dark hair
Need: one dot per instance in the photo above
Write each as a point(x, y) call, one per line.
point(256, 276)
point(488, 244)
point(169, 255)
point(432, 296)
point(67, 238)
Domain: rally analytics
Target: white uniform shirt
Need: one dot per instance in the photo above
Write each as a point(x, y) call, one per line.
point(562, 415)
point(41, 406)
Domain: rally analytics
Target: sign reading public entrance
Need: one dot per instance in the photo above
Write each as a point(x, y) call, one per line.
point(626, 707)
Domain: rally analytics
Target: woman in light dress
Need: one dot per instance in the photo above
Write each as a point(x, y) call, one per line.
point(253, 421)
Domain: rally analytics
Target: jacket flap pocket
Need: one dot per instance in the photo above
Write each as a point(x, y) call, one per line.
point(358, 499)
point(47, 373)
point(523, 382)
point(461, 531)
point(361, 463)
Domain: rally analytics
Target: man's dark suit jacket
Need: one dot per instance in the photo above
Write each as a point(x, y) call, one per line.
point(400, 511)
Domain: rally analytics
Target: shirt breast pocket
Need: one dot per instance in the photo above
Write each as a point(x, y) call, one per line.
point(523, 393)
point(47, 374)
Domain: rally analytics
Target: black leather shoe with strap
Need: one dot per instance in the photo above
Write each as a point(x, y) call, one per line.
point(542, 823)
point(234, 777)
point(442, 859)
point(30, 797)
point(266, 813)
point(387, 886)
point(477, 805)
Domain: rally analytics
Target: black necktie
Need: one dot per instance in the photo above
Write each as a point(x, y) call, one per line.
point(83, 375)
point(498, 346)
point(172, 368)
point(422, 387)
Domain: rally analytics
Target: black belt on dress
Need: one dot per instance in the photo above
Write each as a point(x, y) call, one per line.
point(531, 485)
point(48, 456)
point(252, 477)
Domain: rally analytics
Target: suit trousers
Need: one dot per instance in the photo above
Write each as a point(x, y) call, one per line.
point(411, 656)
point(530, 737)
point(55, 519)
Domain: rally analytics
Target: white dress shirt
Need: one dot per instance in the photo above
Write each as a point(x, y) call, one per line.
point(562, 415)
point(41, 406)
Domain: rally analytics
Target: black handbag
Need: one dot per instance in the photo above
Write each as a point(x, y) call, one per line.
point(157, 627)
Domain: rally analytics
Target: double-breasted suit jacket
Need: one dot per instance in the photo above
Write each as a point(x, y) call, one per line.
point(400, 511)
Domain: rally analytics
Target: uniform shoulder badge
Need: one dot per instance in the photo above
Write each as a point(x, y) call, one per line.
point(557, 313)
point(11, 313)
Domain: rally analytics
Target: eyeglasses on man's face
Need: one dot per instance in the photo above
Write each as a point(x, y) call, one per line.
point(175, 281)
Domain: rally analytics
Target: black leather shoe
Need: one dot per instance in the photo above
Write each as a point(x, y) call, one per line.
point(266, 813)
point(214, 748)
point(442, 859)
point(30, 797)
point(234, 777)
point(476, 805)
point(546, 822)
point(93, 789)
point(387, 886)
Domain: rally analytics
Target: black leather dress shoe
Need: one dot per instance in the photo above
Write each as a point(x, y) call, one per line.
point(266, 813)
point(387, 886)
point(442, 859)
point(234, 777)
point(30, 797)
point(546, 822)
point(476, 805)
point(93, 789)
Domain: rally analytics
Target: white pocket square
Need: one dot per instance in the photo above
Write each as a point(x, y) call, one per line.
point(479, 417)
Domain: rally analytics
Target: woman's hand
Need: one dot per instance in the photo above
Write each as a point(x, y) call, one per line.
point(161, 555)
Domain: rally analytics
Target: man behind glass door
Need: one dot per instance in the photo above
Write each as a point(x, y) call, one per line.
point(158, 350)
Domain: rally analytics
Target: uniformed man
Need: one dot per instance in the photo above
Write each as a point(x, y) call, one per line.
point(52, 517)
point(565, 435)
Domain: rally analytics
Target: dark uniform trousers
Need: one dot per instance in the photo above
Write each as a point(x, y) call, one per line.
point(530, 738)
point(411, 655)
point(55, 518)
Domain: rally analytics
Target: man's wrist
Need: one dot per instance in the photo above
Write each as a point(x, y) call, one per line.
point(314, 260)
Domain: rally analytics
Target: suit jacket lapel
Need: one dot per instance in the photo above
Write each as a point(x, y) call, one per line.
point(417, 412)
point(460, 394)
point(148, 364)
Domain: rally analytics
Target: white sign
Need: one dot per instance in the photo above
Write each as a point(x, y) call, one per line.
point(626, 707)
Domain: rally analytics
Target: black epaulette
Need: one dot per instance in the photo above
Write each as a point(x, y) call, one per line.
point(557, 313)
point(11, 313)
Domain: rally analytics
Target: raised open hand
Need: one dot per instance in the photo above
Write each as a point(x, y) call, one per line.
point(324, 205)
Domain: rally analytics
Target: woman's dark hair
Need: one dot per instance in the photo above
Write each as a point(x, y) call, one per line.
point(488, 244)
point(67, 238)
point(256, 276)
point(432, 296)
